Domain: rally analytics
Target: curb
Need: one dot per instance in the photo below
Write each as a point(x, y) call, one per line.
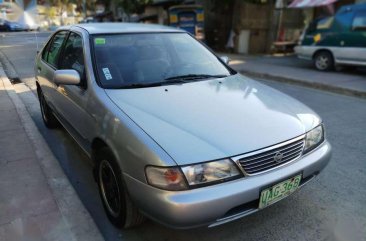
point(9, 69)
point(319, 86)
point(76, 217)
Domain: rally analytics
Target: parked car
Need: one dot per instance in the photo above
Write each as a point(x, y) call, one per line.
point(88, 20)
point(336, 40)
point(32, 27)
point(6, 25)
point(174, 133)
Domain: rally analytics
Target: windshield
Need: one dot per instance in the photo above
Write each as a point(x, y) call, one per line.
point(151, 59)
point(320, 24)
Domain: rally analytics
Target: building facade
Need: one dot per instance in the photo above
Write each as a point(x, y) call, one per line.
point(255, 25)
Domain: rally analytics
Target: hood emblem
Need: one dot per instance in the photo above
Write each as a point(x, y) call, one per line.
point(278, 157)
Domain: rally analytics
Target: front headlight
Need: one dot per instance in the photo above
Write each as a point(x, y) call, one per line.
point(176, 178)
point(210, 172)
point(313, 138)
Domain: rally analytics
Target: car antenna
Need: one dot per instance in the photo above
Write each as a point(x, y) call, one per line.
point(35, 34)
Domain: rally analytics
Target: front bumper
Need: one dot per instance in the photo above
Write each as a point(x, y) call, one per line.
point(218, 204)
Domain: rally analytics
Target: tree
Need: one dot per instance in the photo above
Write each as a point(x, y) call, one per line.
point(132, 6)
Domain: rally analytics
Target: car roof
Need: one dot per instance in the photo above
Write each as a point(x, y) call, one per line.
point(107, 28)
point(352, 7)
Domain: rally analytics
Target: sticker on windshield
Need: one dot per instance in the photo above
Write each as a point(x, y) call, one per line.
point(99, 40)
point(107, 74)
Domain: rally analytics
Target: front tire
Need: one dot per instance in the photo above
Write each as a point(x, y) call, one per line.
point(324, 61)
point(48, 117)
point(116, 202)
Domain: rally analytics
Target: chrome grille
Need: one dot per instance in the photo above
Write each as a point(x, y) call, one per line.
point(268, 158)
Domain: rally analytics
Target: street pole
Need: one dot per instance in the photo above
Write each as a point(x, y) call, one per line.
point(279, 7)
point(280, 25)
point(84, 8)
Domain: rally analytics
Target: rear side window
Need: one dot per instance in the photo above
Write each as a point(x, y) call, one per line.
point(359, 21)
point(52, 52)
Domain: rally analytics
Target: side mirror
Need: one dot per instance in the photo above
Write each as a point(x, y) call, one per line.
point(225, 59)
point(66, 77)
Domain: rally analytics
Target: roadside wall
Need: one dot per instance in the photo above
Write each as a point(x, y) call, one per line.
point(251, 23)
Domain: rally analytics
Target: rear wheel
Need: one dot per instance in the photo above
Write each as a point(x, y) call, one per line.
point(324, 61)
point(48, 117)
point(116, 201)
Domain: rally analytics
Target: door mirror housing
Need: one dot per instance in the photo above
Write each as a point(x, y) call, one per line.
point(66, 77)
point(225, 59)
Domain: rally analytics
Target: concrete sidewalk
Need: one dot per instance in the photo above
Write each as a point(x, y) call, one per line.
point(37, 202)
point(290, 69)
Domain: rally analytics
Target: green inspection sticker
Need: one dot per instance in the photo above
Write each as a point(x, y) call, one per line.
point(99, 40)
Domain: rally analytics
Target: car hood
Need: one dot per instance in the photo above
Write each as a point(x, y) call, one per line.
point(217, 118)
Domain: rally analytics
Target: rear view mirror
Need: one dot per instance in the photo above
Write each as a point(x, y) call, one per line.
point(66, 77)
point(225, 59)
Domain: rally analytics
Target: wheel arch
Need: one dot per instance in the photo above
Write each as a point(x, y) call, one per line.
point(96, 145)
point(322, 50)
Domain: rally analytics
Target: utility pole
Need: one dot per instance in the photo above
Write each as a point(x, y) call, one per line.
point(84, 8)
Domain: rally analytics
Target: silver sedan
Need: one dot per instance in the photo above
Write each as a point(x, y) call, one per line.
point(174, 133)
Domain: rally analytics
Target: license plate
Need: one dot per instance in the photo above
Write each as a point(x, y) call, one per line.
point(279, 191)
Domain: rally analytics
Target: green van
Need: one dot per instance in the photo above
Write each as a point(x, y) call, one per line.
point(336, 40)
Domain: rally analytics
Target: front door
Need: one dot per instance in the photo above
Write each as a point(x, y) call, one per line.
point(353, 41)
point(72, 99)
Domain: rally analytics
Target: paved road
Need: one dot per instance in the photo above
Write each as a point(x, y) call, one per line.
point(345, 80)
point(330, 208)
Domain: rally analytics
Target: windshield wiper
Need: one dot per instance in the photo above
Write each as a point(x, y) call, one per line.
point(194, 76)
point(180, 79)
point(140, 85)
point(144, 85)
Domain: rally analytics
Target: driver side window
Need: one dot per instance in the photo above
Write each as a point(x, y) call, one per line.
point(73, 57)
point(359, 22)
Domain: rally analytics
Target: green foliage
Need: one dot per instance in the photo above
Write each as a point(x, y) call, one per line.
point(51, 13)
point(132, 6)
point(61, 4)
